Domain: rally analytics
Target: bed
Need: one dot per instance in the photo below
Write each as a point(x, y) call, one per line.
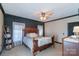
point(36, 43)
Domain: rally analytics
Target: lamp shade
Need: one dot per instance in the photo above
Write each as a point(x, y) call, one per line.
point(76, 29)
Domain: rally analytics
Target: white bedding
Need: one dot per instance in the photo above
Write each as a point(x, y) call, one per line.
point(72, 39)
point(44, 40)
point(41, 41)
point(28, 41)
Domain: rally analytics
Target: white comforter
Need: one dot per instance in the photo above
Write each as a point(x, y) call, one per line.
point(44, 40)
point(41, 41)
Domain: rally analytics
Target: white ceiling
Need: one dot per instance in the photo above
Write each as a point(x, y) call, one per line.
point(27, 10)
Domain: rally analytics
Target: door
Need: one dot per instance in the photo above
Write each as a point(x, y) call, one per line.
point(18, 33)
point(1, 29)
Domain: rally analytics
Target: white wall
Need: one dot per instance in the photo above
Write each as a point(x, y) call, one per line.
point(59, 27)
point(1, 24)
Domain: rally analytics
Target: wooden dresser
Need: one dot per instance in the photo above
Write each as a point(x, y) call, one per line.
point(70, 48)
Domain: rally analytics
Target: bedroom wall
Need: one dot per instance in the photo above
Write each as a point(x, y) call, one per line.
point(1, 27)
point(8, 19)
point(59, 28)
point(71, 26)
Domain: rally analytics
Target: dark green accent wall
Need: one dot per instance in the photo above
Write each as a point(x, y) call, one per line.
point(71, 26)
point(8, 19)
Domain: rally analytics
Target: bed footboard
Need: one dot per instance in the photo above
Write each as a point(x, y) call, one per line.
point(35, 47)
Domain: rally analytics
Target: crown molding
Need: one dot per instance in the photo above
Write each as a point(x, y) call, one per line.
point(62, 18)
point(2, 8)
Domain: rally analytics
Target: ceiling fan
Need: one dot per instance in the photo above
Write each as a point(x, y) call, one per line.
point(44, 15)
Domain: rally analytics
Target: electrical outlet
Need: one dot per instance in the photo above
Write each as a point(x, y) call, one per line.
point(63, 33)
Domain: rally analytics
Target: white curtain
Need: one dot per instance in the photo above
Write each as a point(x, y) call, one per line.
point(40, 30)
point(18, 33)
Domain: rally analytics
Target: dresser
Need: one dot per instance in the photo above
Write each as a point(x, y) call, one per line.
point(70, 47)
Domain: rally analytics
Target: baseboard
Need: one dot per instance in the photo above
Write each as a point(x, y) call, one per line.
point(58, 42)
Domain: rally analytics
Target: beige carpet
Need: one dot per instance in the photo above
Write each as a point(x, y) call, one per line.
point(24, 51)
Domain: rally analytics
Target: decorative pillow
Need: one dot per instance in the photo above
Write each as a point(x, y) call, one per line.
point(73, 36)
point(32, 35)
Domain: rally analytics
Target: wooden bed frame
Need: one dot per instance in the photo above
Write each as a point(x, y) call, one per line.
point(35, 42)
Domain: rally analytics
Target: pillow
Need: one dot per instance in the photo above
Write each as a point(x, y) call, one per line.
point(74, 36)
point(31, 35)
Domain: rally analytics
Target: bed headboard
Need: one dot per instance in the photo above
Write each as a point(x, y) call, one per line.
point(30, 29)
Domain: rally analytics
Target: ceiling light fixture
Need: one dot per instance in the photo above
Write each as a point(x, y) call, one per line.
point(44, 15)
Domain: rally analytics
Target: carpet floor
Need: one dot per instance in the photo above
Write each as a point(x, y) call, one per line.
point(24, 51)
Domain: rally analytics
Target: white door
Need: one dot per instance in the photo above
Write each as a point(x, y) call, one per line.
point(1, 28)
point(18, 33)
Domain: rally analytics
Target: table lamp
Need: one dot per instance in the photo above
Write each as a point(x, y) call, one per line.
point(76, 31)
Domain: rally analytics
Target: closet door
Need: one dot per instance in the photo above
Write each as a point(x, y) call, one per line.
point(1, 29)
